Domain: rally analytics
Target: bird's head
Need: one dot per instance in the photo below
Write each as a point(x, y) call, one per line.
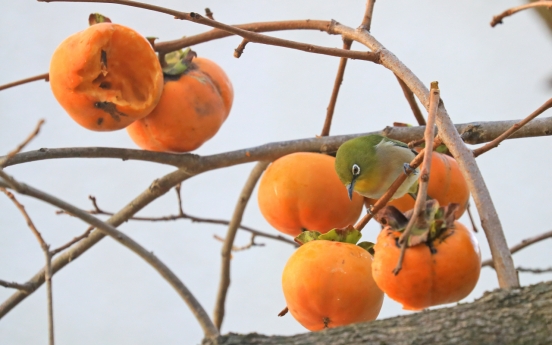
point(354, 159)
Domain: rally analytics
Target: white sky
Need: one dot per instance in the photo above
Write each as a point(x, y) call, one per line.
point(110, 296)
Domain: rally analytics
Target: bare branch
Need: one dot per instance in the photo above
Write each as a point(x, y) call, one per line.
point(218, 314)
point(547, 105)
point(44, 76)
point(183, 215)
point(250, 36)
point(337, 85)
point(241, 47)
point(155, 190)
point(498, 19)
point(412, 102)
point(523, 244)
point(534, 270)
point(45, 249)
point(24, 287)
point(23, 144)
point(367, 19)
point(208, 328)
point(72, 242)
point(472, 220)
point(420, 204)
point(472, 133)
point(249, 245)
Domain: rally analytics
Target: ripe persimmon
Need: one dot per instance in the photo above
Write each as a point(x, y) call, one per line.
point(106, 76)
point(196, 100)
point(443, 268)
point(446, 185)
point(329, 284)
point(301, 191)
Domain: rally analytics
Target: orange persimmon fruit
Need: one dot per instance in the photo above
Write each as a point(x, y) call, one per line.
point(439, 270)
point(301, 191)
point(329, 284)
point(197, 98)
point(106, 76)
point(446, 185)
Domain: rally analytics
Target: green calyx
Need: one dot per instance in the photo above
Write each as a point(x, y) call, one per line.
point(346, 235)
point(429, 226)
point(178, 62)
point(97, 18)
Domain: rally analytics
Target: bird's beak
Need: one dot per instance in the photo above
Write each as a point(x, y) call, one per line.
point(351, 188)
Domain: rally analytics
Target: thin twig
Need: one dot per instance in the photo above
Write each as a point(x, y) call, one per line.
point(46, 250)
point(419, 205)
point(523, 244)
point(367, 19)
point(44, 76)
point(209, 14)
point(241, 47)
point(72, 242)
point(534, 270)
point(183, 215)
point(337, 85)
point(472, 220)
point(245, 194)
point(251, 36)
point(498, 19)
point(411, 102)
point(20, 147)
point(208, 328)
point(547, 105)
point(24, 287)
point(249, 245)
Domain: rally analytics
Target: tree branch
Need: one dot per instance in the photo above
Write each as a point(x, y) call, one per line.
point(250, 36)
point(516, 127)
point(412, 102)
point(44, 76)
point(208, 328)
point(45, 249)
point(498, 19)
point(218, 314)
point(504, 316)
point(420, 204)
point(525, 243)
point(472, 133)
point(24, 287)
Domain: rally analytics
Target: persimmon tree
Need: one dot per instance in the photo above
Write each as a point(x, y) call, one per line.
point(437, 127)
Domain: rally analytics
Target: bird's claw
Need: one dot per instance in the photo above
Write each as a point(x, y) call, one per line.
point(409, 169)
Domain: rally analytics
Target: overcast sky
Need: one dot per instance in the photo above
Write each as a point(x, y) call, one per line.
point(110, 296)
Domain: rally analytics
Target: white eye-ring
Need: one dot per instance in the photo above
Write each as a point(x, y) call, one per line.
point(355, 170)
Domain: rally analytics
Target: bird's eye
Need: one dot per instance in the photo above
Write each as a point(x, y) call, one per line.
point(355, 170)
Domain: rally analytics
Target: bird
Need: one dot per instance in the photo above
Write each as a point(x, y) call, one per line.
point(370, 164)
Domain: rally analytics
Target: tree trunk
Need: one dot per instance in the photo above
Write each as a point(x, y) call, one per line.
point(515, 316)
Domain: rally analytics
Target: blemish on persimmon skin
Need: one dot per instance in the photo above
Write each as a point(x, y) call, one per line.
point(100, 121)
point(111, 109)
point(103, 62)
point(326, 321)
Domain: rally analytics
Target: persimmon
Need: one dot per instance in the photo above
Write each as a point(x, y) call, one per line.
point(106, 76)
point(197, 98)
point(446, 185)
point(301, 191)
point(443, 268)
point(329, 284)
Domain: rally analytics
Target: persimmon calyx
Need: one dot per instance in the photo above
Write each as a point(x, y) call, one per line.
point(178, 62)
point(429, 225)
point(96, 18)
point(346, 235)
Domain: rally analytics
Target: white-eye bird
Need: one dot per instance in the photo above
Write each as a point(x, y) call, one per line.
point(369, 165)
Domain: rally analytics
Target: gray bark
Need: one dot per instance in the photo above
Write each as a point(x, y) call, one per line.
point(515, 316)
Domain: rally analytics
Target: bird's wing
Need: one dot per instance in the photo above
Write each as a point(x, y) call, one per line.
point(398, 143)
